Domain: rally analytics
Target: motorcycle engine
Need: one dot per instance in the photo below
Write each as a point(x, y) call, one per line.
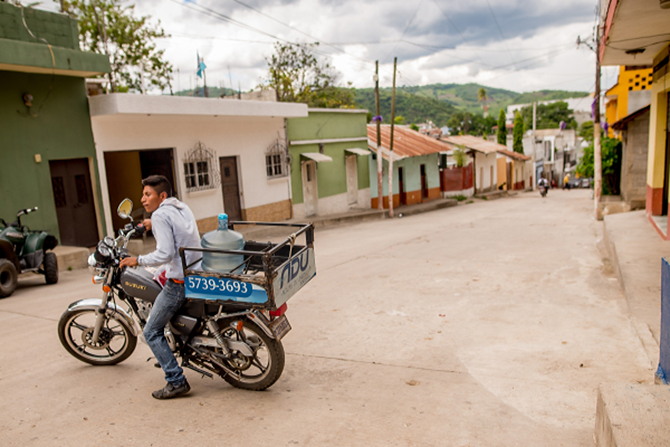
point(143, 308)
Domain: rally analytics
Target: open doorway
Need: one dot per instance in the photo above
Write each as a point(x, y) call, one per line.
point(125, 171)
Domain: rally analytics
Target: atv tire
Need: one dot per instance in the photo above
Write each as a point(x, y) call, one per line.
point(50, 267)
point(8, 278)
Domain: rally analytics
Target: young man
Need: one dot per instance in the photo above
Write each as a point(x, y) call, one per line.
point(173, 226)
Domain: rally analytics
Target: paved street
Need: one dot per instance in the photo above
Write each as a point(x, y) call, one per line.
point(486, 324)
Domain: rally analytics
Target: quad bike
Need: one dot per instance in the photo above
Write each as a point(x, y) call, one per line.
point(23, 250)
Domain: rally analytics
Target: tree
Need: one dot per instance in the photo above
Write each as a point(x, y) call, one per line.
point(517, 133)
point(502, 128)
point(611, 164)
point(109, 27)
point(460, 156)
point(465, 123)
point(586, 131)
point(483, 98)
point(549, 116)
point(297, 75)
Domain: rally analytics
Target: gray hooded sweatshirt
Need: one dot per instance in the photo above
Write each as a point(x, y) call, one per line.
point(174, 226)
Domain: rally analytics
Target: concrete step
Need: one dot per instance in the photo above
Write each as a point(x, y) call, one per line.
point(71, 258)
point(633, 415)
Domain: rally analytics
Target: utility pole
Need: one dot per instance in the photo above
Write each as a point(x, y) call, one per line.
point(378, 119)
point(395, 61)
point(597, 150)
point(535, 145)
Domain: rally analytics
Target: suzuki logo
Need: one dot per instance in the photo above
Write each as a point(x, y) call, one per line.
point(135, 286)
point(295, 267)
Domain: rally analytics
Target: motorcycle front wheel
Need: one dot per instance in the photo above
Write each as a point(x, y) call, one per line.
point(115, 343)
point(261, 371)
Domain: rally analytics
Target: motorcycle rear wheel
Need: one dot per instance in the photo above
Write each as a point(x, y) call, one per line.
point(261, 371)
point(116, 341)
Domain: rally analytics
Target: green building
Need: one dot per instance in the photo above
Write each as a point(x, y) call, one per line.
point(329, 162)
point(47, 154)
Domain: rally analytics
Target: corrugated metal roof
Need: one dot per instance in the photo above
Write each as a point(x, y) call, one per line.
point(475, 143)
point(406, 142)
point(514, 155)
point(484, 146)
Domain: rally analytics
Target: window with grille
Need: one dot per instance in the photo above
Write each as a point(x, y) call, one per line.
point(200, 171)
point(276, 160)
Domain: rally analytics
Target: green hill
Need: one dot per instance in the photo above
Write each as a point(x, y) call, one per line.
point(437, 102)
point(434, 102)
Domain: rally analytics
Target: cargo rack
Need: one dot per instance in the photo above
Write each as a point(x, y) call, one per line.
point(269, 275)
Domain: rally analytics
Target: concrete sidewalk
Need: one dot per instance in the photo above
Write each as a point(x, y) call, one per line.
point(632, 414)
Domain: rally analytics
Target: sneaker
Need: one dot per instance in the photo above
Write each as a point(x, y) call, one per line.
point(170, 391)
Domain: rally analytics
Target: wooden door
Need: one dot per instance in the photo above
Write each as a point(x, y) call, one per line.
point(73, 197)
point(402, 194)
point(309, 188)
point(424, 182)
point(230, 187)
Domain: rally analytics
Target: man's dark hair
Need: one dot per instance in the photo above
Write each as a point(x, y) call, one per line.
point(160, 183)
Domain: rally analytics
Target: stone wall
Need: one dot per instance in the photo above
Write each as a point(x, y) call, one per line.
point(634, 162)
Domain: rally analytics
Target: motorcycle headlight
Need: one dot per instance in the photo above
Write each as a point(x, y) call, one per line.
point(102, 252)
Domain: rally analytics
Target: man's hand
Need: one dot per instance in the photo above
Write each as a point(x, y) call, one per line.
point(130, 261)
point(147, 224)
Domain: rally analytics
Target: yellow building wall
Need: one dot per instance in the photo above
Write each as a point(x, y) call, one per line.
point(628, 80)
point(656, 159)
point(658, 114)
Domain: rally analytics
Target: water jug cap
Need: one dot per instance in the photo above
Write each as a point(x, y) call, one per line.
point(223, 216)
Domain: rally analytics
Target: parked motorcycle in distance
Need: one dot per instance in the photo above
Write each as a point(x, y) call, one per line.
point(25, 250)
point(230, 326)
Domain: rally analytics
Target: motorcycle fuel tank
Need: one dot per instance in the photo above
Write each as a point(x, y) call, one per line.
point(139, 282)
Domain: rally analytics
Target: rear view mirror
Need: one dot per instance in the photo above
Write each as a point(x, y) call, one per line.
point(125, 208)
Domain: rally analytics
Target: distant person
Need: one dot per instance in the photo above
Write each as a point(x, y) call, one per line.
point(566, 181)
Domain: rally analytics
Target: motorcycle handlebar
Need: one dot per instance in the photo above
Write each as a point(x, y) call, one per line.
point(26, 211)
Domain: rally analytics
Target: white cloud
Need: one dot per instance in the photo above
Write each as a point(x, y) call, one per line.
point(511, 44)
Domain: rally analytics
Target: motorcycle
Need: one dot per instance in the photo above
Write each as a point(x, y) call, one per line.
point(543, 190)
point(230, 326)
point(24, 250)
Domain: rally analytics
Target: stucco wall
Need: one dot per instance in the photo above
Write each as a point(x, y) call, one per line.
point(56, 127)
point(319, 127)
point(411, 167)
point(485, 172)
point(246, 138)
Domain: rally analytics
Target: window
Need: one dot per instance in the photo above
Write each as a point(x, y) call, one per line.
point(276, 160)
point(200, 172)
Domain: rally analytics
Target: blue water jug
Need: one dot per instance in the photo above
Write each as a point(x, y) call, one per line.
point(223, 238)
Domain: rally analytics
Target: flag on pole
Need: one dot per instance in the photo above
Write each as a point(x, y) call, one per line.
point(201, 66)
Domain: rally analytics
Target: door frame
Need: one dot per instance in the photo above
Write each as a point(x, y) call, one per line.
point(310, 196)
point(351, 173)
point(238, 195)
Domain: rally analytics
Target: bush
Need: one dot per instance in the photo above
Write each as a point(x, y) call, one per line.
point(610, 152)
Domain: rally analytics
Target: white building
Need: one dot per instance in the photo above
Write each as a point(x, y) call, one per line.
point(220, 154)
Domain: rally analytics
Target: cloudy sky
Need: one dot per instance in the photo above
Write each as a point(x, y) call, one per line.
point(518, 45)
